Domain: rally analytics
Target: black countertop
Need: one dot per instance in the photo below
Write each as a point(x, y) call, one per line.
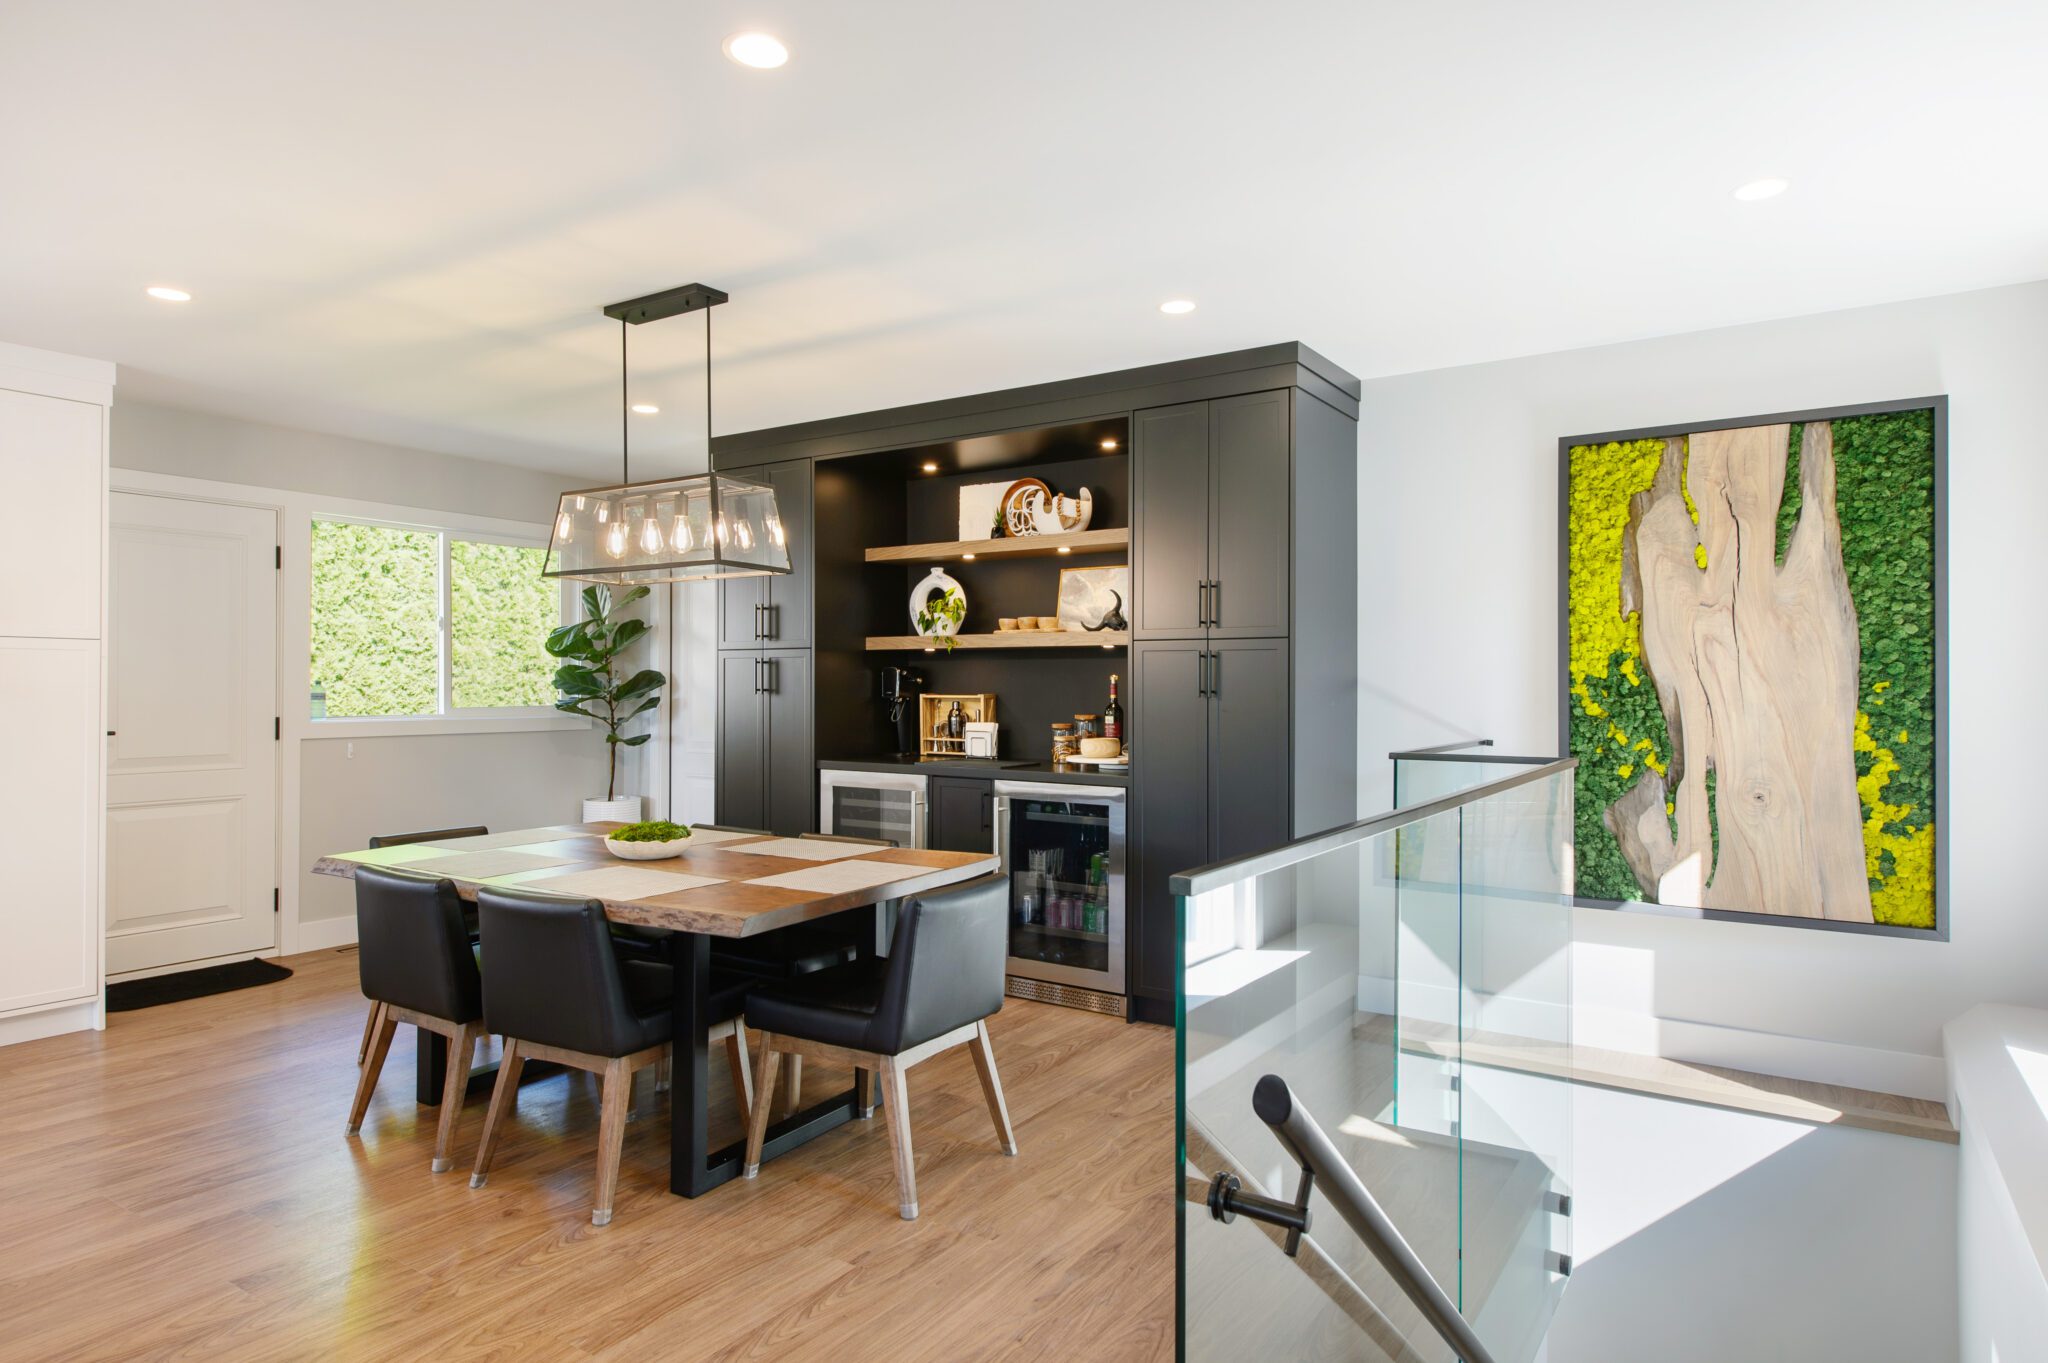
point(983, 769)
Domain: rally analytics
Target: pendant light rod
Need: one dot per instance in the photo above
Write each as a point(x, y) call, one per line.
point(625, 411)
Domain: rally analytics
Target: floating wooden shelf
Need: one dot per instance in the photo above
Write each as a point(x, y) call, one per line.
point(1013, 638)
point(1021, 546)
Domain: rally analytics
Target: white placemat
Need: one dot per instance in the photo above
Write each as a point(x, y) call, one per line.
point(400, 855)
point(711, 835)
point(490, 842)
point(804, 849)
point(617, 882)
point(484, 865)
point(841, 876)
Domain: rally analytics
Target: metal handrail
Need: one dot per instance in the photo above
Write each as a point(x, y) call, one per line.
point(1320, 1161)
point(1455, 752)
point(1218, 874)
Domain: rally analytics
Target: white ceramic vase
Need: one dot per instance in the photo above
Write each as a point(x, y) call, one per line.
point(625, 809)
point(936, 582)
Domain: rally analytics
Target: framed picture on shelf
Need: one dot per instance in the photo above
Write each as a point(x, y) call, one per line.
point(1095, 598)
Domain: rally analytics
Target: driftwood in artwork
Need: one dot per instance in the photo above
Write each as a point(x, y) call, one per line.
point(1755, 667)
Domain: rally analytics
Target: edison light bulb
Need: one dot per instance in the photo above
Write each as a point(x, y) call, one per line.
point(775, 531)
point(720, 528)
point(744, 533)
point(603, 512)
point(564, 528)
point(650, 536)
point(615, 540)
point(681, 537)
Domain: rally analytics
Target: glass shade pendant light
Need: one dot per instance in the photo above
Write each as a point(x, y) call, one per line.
point(684, 529)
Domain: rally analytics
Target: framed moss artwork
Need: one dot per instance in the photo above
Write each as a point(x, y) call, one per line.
point(1752, 641)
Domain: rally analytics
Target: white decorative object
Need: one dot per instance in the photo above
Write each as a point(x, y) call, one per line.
point(1052, 514)
point(980, 505)
point(937, 582)
point(625, 809)
point(647, 851)
point(980, 738)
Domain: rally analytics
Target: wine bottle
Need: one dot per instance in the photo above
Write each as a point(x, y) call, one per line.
point(1113, 714)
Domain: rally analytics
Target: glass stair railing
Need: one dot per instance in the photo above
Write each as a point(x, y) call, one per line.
point(1404, 983)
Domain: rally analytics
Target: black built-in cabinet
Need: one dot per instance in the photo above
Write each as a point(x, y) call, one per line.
point(1241, 686)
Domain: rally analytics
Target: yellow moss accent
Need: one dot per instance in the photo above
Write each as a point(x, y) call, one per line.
point(1906, 896)
point(1903, 737)
point(1699, 551)
point(1625, 770)
point(1881, 687)
point(1604, 478)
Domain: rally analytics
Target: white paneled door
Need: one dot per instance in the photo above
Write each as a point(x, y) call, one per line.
point(192, 758)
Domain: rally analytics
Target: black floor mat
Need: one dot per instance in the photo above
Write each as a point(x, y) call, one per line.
point(130, 995)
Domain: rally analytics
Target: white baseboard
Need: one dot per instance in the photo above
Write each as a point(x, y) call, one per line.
point(71, 1017)
point(325, 934)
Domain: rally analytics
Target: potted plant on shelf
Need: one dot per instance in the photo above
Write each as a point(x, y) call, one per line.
point(589, 685)
point(938, 607)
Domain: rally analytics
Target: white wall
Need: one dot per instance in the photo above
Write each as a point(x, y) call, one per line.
point(1702, 1235)
point(1458, 637)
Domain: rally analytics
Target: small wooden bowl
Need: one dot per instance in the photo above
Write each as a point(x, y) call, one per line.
point(1007, 623)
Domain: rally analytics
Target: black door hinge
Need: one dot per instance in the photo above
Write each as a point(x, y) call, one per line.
point(276, 727)
point(280, 558)
point(276, 899)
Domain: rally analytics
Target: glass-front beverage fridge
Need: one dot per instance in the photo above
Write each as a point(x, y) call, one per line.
point(1063, 851)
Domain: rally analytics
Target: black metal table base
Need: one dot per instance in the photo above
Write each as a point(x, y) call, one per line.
point(430, 1070)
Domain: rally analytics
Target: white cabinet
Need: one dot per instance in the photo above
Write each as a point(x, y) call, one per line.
point(49, 822)
point(53, 496)
point(52, 473)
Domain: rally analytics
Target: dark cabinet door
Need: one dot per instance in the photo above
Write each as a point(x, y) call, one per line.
point(1249, 772)
point(787, 621)
point(1169, 520)
point(961, 816)
point(791, 754)
point(742, 611)
point(1169, 722)
point(1250, 531)
point(742, 797)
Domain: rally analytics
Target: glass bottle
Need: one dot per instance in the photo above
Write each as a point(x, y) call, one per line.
point(1113, 714)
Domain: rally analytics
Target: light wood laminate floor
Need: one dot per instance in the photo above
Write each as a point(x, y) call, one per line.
point(179, 1187)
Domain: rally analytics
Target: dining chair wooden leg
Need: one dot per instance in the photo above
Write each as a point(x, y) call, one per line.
point(764, 1098)
point(611, 1136)
point(992, 1087)
point(510, 1062)
point(369, 1030)
point(373, 1065)
point(742, 1074)
point(664, 1073)
point(896, 1102)
point(461, 1056)
point(793, 1068)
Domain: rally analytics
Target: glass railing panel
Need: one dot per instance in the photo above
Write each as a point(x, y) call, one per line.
point(1515, 1064)
point(1294, 978)
point(1431, 774)
point(1408, 979)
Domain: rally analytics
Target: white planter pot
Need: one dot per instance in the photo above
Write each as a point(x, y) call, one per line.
point(625, 809)
point(937, 581)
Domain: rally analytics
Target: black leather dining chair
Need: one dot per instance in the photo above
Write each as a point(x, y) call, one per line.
point(560, 989)
point(400, 840)
point(942, 980)
point(417, 966)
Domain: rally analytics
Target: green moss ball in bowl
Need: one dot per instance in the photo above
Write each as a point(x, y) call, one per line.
point(649, 841)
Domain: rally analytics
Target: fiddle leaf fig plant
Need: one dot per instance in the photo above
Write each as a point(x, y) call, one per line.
point(589, 681)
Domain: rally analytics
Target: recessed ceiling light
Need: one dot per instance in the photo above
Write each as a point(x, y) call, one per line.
point(967, 558)
point(1066, 548)
point(1762, 189)
point(1109, 442)
point(168, 294)
point(1177, 307)
point(930, 467)
point(645, 408)
point(762, 51)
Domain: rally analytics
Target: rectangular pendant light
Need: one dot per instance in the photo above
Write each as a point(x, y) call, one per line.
point(688, 529)
point(704, 525)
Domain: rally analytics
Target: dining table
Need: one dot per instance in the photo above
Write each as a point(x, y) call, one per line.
point(723, 884)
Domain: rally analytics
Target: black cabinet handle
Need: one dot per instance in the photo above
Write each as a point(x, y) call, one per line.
point(773, 613)
point(1215, 604)
point(1215, 674)
point(774, 675)
point(757, 676)
point(1201, 674)
point(1202, 604)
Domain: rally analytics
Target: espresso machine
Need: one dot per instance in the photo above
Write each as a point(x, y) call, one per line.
point(900, 687)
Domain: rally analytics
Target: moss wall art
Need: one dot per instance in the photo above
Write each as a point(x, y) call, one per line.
point(1751, 667)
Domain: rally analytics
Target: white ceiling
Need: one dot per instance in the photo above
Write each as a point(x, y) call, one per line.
point(399, 219)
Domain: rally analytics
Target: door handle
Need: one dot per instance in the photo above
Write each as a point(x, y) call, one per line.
point(1215, 674)
point(774, 675)
point(773, 614)
point(1201, 674)
point(757, 619)
point(1215, 604)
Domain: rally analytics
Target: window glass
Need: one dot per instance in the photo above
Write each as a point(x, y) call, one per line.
point(376, 620)
point(500, 611)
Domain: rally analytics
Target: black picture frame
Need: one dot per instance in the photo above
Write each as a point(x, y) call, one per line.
point(1938, 404)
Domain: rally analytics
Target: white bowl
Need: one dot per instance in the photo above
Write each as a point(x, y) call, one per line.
point(647, 851)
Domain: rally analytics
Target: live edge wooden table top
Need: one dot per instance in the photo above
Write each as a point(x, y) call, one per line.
point(738, 904)
point(735, 907)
